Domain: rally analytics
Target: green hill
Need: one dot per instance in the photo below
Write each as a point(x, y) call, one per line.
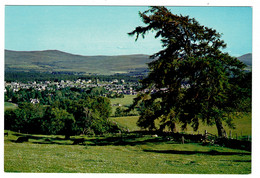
point(58, 61)
point(246, 59)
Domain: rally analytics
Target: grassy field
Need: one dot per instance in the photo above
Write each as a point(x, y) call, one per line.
point(124, 102)
point(127, 122)
point(243, 126)
point(9, 105)
point(116, 154)
point(243, 123)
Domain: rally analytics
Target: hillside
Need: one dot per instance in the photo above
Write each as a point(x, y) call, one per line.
point(247, 59)
point(58, 61)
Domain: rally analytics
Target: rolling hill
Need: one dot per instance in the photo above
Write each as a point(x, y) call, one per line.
point(246, 59)
point(58, 61)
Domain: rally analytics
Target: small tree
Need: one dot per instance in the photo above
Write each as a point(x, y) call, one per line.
point(119, 112)
point(193, 78)
point(58, 121)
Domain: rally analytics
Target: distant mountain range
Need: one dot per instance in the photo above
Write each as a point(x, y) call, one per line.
point(62, 62)
point(58, 61)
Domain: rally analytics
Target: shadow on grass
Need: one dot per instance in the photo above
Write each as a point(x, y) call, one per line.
point(38, 137)
point(211, 152)
point(130, 140)
point(42, 139)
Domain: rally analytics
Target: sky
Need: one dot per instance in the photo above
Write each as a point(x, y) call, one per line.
point(102, 30)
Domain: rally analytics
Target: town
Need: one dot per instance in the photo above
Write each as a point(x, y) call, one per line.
point(112, 87)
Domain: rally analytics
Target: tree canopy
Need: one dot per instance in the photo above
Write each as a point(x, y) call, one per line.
point(193, 79)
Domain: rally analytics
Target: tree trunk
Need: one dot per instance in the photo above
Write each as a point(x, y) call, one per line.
point(67, 137)
point(221, 131)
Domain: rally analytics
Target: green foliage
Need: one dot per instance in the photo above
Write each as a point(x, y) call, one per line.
point(57, 121)
point(26, 118)
point(148, 115)
point(194, 79)
point(65, 116)
point(11, 76)
point(119, 112)
point(115, 95)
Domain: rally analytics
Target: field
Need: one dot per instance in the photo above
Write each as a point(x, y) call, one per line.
point(9, 105)
point(116, 154)
point(126, 153)
point(243, 123)
point(127, 122)
point(243, 126)
point(124, 102)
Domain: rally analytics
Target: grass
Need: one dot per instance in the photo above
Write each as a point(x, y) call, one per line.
point(9, 105)
point(124, 102)
point(243, 123)
point(113, 154)
point(125, 153)
point(127, 122)
point(243, 126)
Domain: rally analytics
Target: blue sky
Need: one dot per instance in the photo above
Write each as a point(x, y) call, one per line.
point(102, 30)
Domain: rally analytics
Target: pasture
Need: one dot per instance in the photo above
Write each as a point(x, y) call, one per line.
point(9, 105)
point(126, 153)
point(243, 123)
point(124, 102)
point(120, 154)
point(243, 126)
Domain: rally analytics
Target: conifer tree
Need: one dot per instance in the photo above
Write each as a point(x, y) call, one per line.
point(193, 79)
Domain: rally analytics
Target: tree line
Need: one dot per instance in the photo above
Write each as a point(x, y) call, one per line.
point(67, 112)
point(47, 97)
point(11, 76)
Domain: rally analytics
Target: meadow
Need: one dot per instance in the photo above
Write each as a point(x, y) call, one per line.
point(120, 154)
point(243, 126)
point(126, 152)
point(9, 105)
point(243, 123)
point(124, 102)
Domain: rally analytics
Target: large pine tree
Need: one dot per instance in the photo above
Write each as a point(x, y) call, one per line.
point(193, 79)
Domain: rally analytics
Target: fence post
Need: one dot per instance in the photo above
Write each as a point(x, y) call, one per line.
point(230, 134)
point(205, 134)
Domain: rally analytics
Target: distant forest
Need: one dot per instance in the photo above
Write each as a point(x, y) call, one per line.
point(40, 76)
